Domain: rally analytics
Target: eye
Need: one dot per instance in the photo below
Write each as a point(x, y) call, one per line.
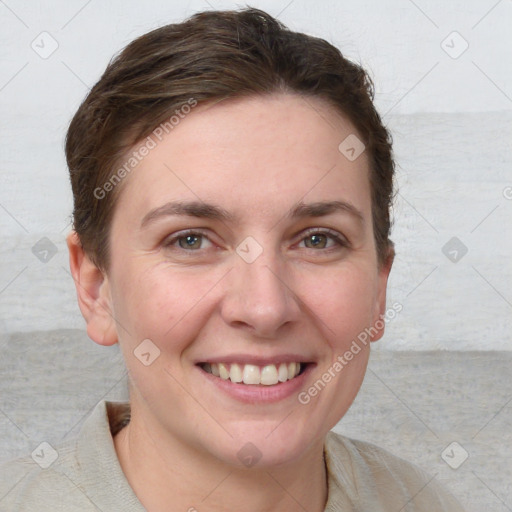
point(314, 238)
point(188, 240)
point(319, 239)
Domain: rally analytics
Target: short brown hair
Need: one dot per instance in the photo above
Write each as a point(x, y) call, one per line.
point(212, 56)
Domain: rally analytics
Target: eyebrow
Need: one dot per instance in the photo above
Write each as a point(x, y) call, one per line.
point(210, 211)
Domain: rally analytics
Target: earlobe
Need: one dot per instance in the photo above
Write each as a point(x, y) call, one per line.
point(93, 293)
point(380, 302)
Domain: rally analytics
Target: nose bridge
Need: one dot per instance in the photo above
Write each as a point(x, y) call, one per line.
point(258, 294)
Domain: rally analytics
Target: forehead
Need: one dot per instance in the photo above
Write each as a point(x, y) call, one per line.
point(251, 154)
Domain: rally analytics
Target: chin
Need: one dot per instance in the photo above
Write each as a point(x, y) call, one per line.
point(258, 447)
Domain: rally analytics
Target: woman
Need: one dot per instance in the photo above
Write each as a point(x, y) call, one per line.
point(232, 182)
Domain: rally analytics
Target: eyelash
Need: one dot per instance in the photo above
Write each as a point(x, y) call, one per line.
point(333, 235)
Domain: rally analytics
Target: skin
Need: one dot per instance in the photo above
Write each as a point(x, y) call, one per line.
point(256, 158)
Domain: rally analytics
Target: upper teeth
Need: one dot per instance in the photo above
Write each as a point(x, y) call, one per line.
point(251, 374)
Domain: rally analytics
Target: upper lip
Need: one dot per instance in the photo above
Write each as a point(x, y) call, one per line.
point(256, 360)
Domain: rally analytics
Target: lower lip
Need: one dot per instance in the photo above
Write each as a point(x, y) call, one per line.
point(252, 393)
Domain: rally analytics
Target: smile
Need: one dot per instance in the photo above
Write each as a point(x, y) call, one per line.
point(251, 374)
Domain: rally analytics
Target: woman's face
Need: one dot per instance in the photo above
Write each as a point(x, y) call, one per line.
point(223, 256)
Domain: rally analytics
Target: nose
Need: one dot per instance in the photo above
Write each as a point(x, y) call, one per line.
point(260, 297)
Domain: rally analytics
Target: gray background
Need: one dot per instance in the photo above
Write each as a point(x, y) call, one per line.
point(442, 372)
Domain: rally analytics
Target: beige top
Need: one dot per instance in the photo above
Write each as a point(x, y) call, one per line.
point(86, 475)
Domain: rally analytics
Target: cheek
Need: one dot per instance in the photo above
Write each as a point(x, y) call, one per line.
point(162, 303)
point(342, 301)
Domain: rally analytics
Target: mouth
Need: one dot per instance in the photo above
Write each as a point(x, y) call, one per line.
point(255, 375)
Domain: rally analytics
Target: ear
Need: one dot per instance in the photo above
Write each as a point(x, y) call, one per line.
point(93, 293)
point(380, 300)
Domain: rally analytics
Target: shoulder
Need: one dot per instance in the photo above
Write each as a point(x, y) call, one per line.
point(42, 482)
point(80, 474)
point(372, 476)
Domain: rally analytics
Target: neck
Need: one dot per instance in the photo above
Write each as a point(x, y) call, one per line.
point(162, 470)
